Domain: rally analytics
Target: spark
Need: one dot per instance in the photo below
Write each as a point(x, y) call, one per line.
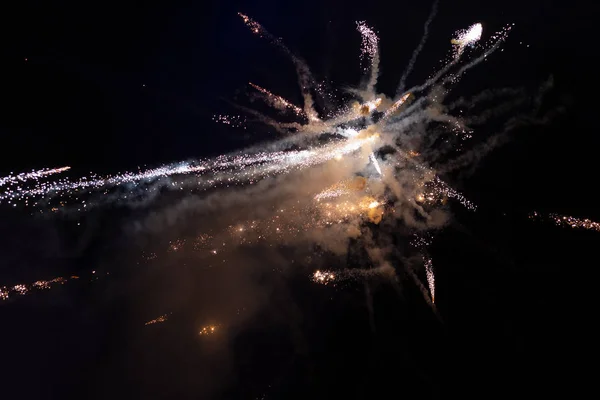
point(356, 184)
point(331, 193)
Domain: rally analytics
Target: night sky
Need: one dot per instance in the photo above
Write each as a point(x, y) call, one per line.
point(108, 87)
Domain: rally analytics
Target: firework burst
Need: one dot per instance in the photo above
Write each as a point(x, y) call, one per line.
point(348, 140)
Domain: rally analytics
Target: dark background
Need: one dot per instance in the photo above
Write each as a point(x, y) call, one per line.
point(109, 86)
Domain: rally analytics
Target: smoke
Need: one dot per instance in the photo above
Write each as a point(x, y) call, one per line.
point(417, 51)
point(532, 117)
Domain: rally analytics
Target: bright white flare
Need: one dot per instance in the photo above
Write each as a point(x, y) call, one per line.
point(467, 37)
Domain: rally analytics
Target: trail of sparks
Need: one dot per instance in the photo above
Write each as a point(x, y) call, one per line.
point(26, 176)
point(569, 221)
point(158, 320)
point(7, 292)
point(396, 105)
point(327, 277)
point(370, 49)
point(430, 277)
point(304, 75)
point(278, 101)
point(235, 169)
point(448, 191)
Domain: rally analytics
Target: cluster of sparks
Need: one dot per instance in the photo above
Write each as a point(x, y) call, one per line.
point(323, 277)
point(208, 330)
point(234, 121)
point(356, 131)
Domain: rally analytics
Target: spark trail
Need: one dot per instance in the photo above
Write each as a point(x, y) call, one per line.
point(12, 179)
point(430, 277)
point(370, 49)
point(568, 221)
point(277, 101)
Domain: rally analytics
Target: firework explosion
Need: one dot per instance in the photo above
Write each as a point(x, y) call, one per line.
point(365, 161)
